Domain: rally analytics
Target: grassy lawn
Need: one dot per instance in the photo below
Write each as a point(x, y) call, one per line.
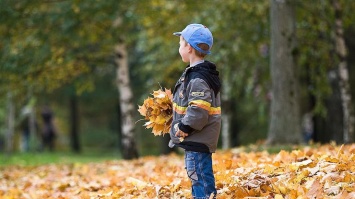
point(39, 158)
point(89, 155)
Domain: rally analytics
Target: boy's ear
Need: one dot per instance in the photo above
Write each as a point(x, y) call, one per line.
point(190, 47)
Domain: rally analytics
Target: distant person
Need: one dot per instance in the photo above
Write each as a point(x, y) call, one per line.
point(197, 109)
point(26, 127)
point(48, 131)
point(308, 127)
point(25, 133)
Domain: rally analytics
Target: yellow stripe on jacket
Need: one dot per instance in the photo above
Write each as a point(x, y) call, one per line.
point(202, 104)
point(199, 103)
point(179, 109)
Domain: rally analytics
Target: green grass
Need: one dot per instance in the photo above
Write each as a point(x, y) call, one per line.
point(90, 155)
point(40, 158)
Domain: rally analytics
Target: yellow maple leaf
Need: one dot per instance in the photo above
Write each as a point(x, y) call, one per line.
point(142, 110)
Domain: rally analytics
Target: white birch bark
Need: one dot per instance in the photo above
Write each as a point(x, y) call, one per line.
point(341, 51)
point(129, 149)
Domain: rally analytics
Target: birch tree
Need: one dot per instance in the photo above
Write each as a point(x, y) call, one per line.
point(345, 95)
point(129, 149)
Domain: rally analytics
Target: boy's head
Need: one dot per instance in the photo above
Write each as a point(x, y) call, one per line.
point(199, 37)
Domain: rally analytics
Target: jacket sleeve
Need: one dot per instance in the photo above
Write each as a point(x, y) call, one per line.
point(199, 104)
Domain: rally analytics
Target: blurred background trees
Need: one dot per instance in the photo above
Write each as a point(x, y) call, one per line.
point(62, 54)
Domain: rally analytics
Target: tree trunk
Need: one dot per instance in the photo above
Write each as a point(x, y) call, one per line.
point(350, 45)
point(33, 123)
point(341, 52)
point(10, 124)
point(285, 122)
point(129, 149)
point(226, 116)
point(333, 124)
point(74, 131)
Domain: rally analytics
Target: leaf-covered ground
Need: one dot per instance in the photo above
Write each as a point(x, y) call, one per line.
point(326, 171)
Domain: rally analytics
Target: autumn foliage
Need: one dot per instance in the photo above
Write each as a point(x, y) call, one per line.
point(158, 111)
point(318, 172)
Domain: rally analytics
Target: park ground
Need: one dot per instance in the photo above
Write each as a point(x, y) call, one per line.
point(316, 171)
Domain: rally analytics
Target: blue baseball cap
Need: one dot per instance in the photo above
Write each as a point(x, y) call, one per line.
point(196, 34)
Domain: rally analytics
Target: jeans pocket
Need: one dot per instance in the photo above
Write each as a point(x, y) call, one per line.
point(191, 166)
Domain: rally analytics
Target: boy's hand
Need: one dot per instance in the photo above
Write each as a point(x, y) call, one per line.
point(179, 133)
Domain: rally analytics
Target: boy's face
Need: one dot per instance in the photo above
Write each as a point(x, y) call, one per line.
point(184, 50)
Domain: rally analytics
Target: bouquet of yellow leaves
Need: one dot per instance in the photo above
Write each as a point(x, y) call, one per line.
point(158, 111)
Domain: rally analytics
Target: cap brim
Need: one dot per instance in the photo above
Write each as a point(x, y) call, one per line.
point(177, 33)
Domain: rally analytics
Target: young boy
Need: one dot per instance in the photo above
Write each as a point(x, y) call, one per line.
point(196, 109)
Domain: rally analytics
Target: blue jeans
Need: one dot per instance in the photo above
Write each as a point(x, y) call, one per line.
point(199, 170)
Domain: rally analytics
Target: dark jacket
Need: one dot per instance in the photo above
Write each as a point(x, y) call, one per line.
point(197, 108)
